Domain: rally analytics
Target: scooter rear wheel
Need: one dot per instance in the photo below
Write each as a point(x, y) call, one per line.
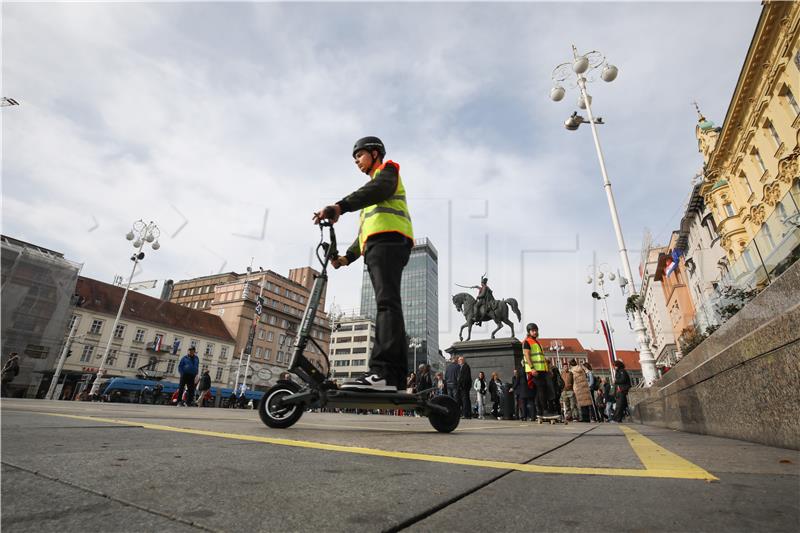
point(279, 416)
point(445, 423)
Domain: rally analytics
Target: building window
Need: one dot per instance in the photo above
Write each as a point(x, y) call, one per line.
point(359, 350)
point(119, 331)
point(280, 356)
point(218, 377)
point(223, 353)
point(345, 362)
point(209, 348)
point(261, 334)
point(774, 133)
point(72, 322)
point(729, 210)
point(171, 366)
point(112, 358)
point(258, 351)
point(88, 351)
point(760, 161)
point(792, 102)
point(344, 339)
point(183, 292)
point(281, 339)
point(97, 327)
point(273, 320)
point(270, 336)
point(284, 323)
point(359, 362)
point(748, 260)
point(267, 354)
point(360, 338)
point(193, 344)
point(132, 358)
point(746, 182)
point(343, 351)
point(139, 335)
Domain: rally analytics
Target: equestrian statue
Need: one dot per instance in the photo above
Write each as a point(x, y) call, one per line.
point(484, 308)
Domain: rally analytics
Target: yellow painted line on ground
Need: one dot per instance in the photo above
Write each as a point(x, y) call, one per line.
point(656, 458)
point(401, 430)
point(681, 473)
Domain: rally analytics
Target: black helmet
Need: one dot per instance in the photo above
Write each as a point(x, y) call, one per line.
point(484, 280)
point(369, 144)
point(531, 326)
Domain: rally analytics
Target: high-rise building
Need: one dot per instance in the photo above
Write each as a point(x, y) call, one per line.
point(420, 295)
point(234, 298)
point(351, 346)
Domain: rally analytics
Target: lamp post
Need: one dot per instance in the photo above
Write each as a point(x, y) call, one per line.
point(141, 234)
point(578, 72)
point(416, 342)
point(599, 276)
point(557, 346)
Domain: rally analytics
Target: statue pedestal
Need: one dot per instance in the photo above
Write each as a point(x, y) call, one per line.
point(487, 356)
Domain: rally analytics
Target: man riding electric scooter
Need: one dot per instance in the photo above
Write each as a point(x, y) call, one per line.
point(385, 239)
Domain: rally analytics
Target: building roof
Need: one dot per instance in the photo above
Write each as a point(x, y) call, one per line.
point(571, 345)
point(105, 298)
point(599, 359)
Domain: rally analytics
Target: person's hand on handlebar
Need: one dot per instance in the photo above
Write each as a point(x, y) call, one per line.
point(340, 262)
point(330, 212)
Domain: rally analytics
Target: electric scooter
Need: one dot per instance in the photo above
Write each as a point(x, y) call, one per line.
point(285, 402)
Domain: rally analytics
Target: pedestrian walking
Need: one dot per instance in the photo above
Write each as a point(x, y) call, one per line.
point(203, 388)
point(464, 385)
point(441, 388)
point(9, 372)
point(581, 387)
point(495, 394)
point(424, 381)
point(568, 395)
point(558, 387)
point(411, 383)
point(451, 377)
point(538, 371)
point(385, 238)
point(608, 398)
point(593, 386)
point(187, 368)
point(622, 382)
point(480, 390)
point(516, 389)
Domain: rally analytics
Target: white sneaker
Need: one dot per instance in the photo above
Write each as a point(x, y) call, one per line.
point(369, 381)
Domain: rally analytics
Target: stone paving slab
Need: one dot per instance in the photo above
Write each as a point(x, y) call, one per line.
point(222, 470)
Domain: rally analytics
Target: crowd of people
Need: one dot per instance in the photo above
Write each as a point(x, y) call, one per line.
point(536, 391)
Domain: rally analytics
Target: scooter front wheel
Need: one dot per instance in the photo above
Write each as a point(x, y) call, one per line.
point(276, 414)
point(445, 422)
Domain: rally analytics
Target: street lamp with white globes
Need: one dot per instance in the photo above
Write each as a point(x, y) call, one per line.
point(557, 346)
point(141, 233)
point(416, 342)
point(577, 73)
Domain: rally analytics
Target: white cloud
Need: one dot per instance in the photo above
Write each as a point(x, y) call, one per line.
point(223, 111)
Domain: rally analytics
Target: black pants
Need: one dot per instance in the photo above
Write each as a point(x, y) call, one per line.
point(187, 381)
point(466, 404)
point(385, 260)
point(544, 392)
point(622, 404)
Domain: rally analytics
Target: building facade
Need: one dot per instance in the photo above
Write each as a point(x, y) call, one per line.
point(753, 161)
point(263, 341)
point(148, 341)
point(38, 287)
point(704, 259)
point(420, 294)
point(659, 327)
point(351, 345)
point(680, 307)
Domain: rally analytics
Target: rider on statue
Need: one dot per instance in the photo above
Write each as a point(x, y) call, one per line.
point(485, 300)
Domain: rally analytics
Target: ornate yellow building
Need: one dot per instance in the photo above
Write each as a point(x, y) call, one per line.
point(752, 162)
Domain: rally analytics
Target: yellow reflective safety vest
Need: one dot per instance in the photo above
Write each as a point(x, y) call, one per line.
point(389, 215)
point(537, 357)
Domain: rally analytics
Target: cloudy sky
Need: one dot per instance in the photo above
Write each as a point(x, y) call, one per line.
point(228, 124)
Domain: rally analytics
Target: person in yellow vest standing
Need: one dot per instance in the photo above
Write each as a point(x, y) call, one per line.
point(537, 370)
point(385, 238)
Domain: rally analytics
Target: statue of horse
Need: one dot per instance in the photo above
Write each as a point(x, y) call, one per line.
point(466, 305)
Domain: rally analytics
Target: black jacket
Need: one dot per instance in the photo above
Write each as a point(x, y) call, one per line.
point(495, 390)
point(424, 382)
point(205, 382)
point(622, 381)
point(464, 378)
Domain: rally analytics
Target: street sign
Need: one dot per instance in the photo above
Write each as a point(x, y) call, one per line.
point(265, 374)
